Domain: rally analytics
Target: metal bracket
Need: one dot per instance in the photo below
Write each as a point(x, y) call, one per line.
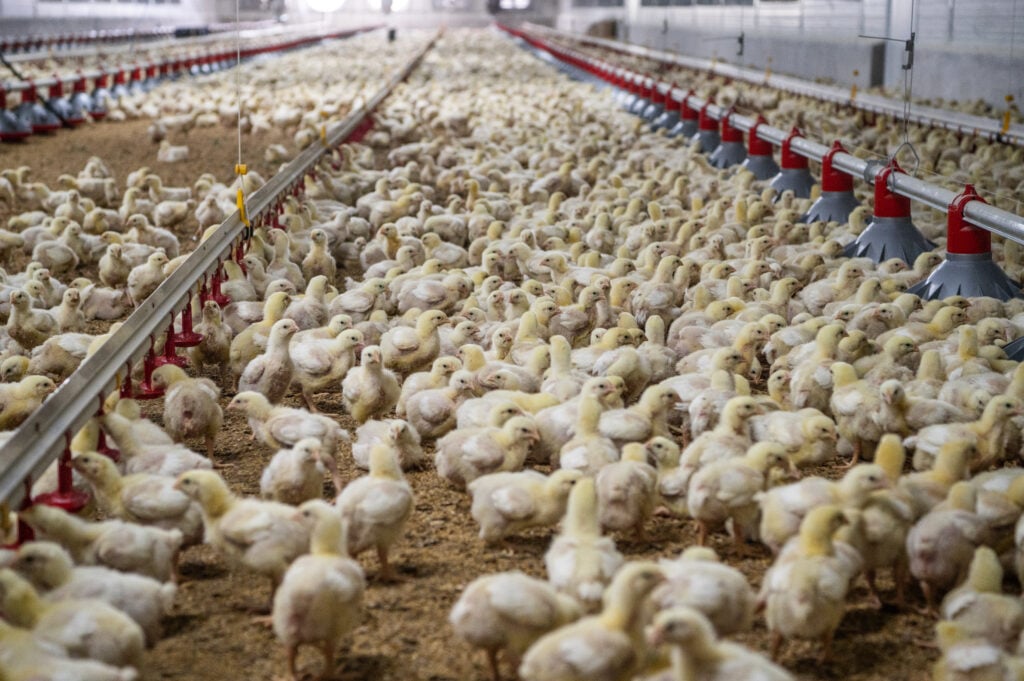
point(908, 46)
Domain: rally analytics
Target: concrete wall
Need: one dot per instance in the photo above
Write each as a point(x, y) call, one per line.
point(966, 49)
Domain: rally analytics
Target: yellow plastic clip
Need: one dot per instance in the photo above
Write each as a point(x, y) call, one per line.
point(240, 170)
point(1007, 114)
point(853, 87)
point(768, 69)
point(323, 134)
point(5, 520)
point(240, 201)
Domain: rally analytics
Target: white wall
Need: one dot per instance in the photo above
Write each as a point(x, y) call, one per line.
point(966, 49)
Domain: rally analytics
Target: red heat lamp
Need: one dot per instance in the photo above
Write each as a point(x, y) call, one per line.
point(66, 497)
point(187, 337)
point(148, 391)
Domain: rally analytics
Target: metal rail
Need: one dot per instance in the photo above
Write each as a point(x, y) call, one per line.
point(988, 217)
point(41, 438)
point(158, 43)
point(140, 71)
point(921, 115)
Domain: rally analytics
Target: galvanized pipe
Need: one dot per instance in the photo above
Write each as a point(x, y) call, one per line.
point(40, 439)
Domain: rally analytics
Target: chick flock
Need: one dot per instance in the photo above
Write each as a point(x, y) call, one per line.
point(586, 325)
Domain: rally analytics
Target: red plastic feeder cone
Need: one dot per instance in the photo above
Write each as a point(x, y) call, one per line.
point(670, 111)
point(41, 118)
point(793, 175)
point(170, 355)
point(891, 233)
point(187, 337)
point(837, 200)
point(707, 131)
point(730, 151)
point(148, 391)
point(66, 497)
point(759, 154)
point(969, 269)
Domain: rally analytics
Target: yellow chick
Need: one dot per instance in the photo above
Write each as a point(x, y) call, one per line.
point(433, 412)
point(27, 657)
point(376, 508)
point(248, 344)
point(941, 545)
point(270, 374)
point(784, 508)
point(50, 570)
point(808, 435)
point(580, 561)
point(646, 419)
point(987, 434)
point(124, 546)
point(465, 454)
point(144, 278)
point(140, 498)
point(980, 606)
point(725, 490)
point(369, 390)
point(698, 579)
point(320, 598)
point(28, 326)
point(19, 400)
point(505, 503)
point(695, 652)
point(402, 437)
point(407, 350)
point(190, 406)
point(606, 646)
point(437, 377)
point(215, 348)
point(967, 658)
point(294, 475)
point(263, 536)
point(509, 612)
point(804, 595)
point(730, 438)
point(84, 627)
point(626, 491)
point(588, 450)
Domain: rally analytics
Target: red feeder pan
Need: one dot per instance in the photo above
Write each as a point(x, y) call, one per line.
point(66, 497)
point(170, 355)
point(148, 391)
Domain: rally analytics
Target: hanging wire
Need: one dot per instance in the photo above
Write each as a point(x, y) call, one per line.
point(238, 75)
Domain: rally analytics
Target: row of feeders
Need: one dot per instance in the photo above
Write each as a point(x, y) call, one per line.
point(968, 270)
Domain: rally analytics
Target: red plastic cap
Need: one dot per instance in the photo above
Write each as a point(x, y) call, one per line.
point(791, 160)
point(888, 204)
point(729, 133)
point(963, 238)
point(57, 89)
point(686, 112)
point(705, 121)
point(755, 145)
point(79, 85)
point(833, 180)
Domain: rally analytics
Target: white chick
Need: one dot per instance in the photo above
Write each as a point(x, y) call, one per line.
point(369, 390)
point(980, 606)
point(50, 570)
point(465, 454)
point(263, 536)
point(84, 627)
point(129, 547)
point(404, 437)
point(609, 646)
point(805, 594)
point(626, 491)
point(509, 612)
point(698, 580)
point(376, 507)
point(505, 503)
point(696, 654)
point(320, 598)
point(725, 490)
point(580, 561)
point(294, 475)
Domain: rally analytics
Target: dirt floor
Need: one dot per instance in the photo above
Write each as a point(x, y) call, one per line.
point(404, 636)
